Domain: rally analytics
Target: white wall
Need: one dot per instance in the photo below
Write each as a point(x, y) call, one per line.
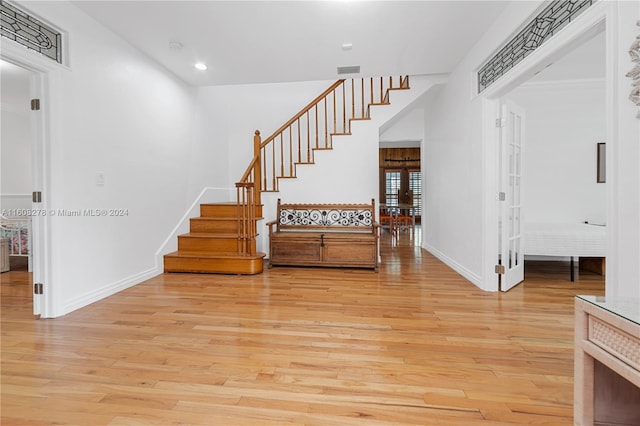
point(623, 275)
point(235, 112)
point(118, 113)
point(452, 158)
point(15, 154)
point(405, 131)
point(564, 122)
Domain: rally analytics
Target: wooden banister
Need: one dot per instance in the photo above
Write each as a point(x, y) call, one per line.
point(277, 156)
point(303, 111)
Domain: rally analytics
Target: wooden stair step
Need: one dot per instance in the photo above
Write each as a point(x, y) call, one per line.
point(209, 242)
point(222, 254)
point(210, 235)
point(221, 263)
point(223, 210)
point(213, 225)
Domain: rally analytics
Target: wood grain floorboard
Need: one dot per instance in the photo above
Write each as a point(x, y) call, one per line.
point(413, 344)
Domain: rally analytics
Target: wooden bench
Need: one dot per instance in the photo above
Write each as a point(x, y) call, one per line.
point(338, 235)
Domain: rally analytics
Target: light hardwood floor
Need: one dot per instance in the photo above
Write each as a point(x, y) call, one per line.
point(412, 344)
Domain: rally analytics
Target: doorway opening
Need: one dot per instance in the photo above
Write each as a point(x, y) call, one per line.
point(16, 183)
point(401, 192)
point(24, 136)
point(563, 95)
point(565, 197)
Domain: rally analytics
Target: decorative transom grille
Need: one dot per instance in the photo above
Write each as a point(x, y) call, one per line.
point(18, 26)
point(554, 17)
point(322, 217)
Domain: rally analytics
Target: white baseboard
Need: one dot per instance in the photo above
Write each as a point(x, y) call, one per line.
point(108, 290)
point(207, 195)
point(466, 273)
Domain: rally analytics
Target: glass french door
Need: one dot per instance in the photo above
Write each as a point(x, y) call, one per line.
point(510, 229)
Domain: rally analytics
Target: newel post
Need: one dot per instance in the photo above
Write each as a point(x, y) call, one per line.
point(257, 168)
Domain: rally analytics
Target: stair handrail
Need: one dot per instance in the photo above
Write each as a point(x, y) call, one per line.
point(258, 178)
point(302, 112)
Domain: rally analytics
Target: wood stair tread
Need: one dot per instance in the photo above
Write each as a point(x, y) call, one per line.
point(211, 218)
point(209, 235)
point(214, 218)
point(212, 255)
point(222, 203)
point(213, 263)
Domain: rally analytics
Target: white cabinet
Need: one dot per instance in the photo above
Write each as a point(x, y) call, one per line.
point(607, 361)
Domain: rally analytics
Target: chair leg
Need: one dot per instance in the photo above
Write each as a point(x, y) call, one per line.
point(404, 222)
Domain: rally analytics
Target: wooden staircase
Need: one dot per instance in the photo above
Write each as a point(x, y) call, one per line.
point(211, 246)
point(223, 239)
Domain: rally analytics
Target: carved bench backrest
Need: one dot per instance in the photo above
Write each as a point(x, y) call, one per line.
point(326, 217)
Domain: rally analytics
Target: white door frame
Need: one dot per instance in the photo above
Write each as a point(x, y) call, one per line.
point(585, 26)
point(43, 86)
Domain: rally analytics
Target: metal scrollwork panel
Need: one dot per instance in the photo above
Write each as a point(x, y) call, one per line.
point(553, 18)
point(24, 29)
point(323, 217)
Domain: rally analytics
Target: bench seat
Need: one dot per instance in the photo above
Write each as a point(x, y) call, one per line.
point(351, 242)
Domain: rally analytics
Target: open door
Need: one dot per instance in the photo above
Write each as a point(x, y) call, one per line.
point(36, 250)
point(510, 245)
point(23, 149)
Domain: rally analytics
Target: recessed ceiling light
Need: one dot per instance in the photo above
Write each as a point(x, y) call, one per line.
point(347, 46)
point(200, 66)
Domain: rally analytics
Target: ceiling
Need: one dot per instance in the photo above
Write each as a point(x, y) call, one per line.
point(586, 61)
point(282, 41)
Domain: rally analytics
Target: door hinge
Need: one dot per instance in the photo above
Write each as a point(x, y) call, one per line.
point(37, 197)
point(500, 122)
point(38, 288)
point(500, 269)
point(35, 104)
point(502, 196)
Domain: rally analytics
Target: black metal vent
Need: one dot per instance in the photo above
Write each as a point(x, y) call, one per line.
point(355, 69)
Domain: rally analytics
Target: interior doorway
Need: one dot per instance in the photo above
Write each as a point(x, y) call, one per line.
point(400, 191)
point(566, 125)
point(17, 151)
point(563, 95)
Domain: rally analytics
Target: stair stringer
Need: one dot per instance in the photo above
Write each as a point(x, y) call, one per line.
point(347, 173)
